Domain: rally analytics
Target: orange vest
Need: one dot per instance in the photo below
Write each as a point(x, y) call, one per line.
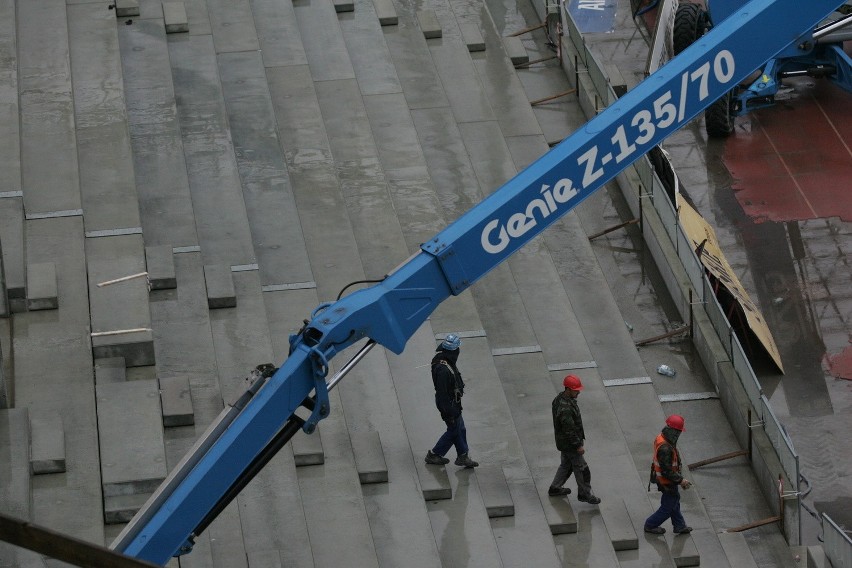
point(659, 441)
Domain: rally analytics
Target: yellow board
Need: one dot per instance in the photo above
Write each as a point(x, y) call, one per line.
point(697, 230)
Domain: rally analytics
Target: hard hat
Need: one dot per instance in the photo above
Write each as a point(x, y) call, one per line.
point(572, 382)
point(451, 342)
point(675, 421)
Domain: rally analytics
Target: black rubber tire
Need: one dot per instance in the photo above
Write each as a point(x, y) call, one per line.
point(689, 25)
point(719, 117)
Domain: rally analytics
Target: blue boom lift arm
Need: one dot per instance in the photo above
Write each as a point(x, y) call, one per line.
point(249, 432)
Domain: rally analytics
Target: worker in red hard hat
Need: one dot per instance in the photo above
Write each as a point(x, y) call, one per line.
point(568, 428)
point(665, 472)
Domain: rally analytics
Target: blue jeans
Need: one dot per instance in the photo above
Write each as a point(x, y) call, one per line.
point(669, 509)
point(456, 435)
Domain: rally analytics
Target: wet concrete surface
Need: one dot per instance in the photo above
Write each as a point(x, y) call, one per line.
point(798, 272)
point(212, 349)
point(776, 193)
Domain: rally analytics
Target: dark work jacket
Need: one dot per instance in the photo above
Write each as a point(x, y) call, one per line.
point(666, 454)
point(567, 423)
point(449, 386)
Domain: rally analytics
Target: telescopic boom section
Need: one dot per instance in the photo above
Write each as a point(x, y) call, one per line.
point(389, 313)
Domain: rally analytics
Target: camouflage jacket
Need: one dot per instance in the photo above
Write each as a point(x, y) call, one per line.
point(567, 423)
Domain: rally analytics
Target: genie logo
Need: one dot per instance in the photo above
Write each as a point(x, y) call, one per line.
point(496, 236)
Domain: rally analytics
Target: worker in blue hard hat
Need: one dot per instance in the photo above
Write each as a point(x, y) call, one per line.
point(449, 389)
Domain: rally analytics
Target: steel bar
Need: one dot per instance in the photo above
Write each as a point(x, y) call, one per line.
point(533, 62)
point(528, 30)
point(613, 228)
point(717, 459)
point(677, 331)
point(350, 364)
point(552, 97)
point(122, 279)
point(755, 524)
point(61, 547)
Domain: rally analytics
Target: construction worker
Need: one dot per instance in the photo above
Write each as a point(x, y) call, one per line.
point(665, 471)
point(568, 429)
point(449, 389)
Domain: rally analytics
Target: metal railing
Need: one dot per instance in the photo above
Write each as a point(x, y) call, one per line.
point(836, 543)
point(653, 191)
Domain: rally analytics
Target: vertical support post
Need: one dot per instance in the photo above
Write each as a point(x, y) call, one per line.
point(749, 434)
point(781, 502)
point(690, 313)
point(577, 75)
point(559, 40)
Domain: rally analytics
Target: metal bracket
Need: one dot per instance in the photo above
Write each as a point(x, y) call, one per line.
point(322, 406)
point(450, 263)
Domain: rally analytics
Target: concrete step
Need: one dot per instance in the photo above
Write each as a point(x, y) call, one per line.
point(683, 550)
point(125, 8)
point(11, 196)
point(7, 391)
point(557, 510)
point(176, 401)
point(344, 6)
point(495, 491)
point(110, 370)
point(121, 508)
point(220, 286)
point(47, 443)
point(16, 493)
point(472, 36)
point(736, 549)
point(817, 558)
point(160, 263)
point(130, 437)
point(15, 485)
point(124, 332)
point(515, 50)
point(174, 17)
point(159, 164)
point(369, 457)
point(386, 12)
point(42, 287)
point(618, 525)
point(307, 448)
point(104, 154)
point(434, 482)
point(429, 24)
point(13, 252)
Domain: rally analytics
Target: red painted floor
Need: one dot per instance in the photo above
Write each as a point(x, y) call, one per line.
point(840, 365)
point(793, 161)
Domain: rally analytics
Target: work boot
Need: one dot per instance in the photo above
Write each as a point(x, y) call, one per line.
point(558, 491)
point(682, 530)
point(465, 461)
point(435, 459)
point(590, 499)
point(655, 530)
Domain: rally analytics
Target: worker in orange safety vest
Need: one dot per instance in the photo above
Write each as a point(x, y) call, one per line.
point(665, 472)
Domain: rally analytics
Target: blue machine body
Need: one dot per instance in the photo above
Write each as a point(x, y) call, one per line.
point(815, 58)
point(390, 312)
